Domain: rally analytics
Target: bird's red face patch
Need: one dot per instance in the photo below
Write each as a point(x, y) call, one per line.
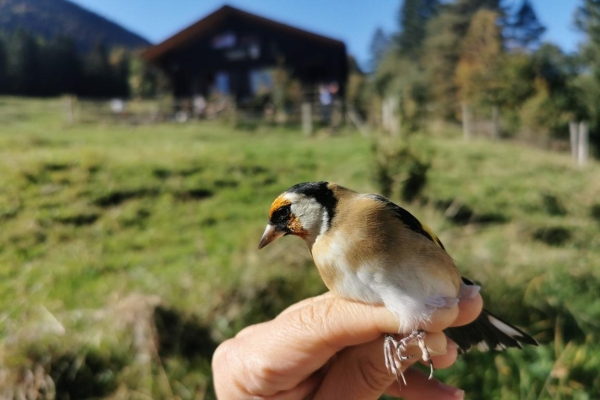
point(295, 226)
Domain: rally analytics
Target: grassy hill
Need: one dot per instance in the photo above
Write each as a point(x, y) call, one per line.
point(50, 18)
point(128, 252)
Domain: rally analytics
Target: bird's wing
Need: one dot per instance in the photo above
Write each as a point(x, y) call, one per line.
point(487, 331)
point(409, 220)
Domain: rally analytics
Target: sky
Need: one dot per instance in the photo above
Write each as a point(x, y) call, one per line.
point(353, 21)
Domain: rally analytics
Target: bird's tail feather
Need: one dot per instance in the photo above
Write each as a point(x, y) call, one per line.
point(488, 332)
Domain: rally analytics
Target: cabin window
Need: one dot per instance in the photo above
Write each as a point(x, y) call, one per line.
point(261, 80)
point(225, 40)
point(222, 82)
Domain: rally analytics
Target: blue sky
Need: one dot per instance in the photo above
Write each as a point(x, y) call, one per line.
point(352, 21)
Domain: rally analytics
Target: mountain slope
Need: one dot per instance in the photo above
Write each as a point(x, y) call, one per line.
point(49, 18)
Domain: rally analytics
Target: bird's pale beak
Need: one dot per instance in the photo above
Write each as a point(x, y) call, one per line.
point(271, 234)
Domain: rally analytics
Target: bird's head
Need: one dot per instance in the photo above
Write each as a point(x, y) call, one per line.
point(304, 210)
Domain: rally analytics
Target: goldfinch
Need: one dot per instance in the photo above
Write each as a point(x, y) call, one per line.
point(371, 250)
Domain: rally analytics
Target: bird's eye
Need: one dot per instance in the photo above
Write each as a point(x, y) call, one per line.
point(281, 215)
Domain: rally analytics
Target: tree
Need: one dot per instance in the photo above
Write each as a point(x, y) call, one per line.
point(120, 65)
point(60, 71)
point(379, 45)
point(465, 10)
point(98, 74)
point(24, 64)
point(587, 19)
point(3, 66)
point(442, 50)
point(414, 15)
point(525, 29)
point(555, 101)
point(477, 69)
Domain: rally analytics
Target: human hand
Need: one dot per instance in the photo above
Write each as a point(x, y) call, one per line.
point(329, 348)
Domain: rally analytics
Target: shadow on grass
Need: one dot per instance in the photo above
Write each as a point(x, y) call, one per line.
point(461, 214)
point(553, 236)
point(118, 197)
point(595, 212)
point(183, 336)
point(85, 376)
point(78, 219)
point(194, 194)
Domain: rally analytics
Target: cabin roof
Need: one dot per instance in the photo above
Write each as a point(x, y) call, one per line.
point(199, 29)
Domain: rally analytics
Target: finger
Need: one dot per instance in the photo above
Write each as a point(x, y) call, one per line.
point(305, 302)
point(441, 319)
point(419, 386)
point(445, 360)
point(278, 355)
point(249, 330)
point(304, 390)
point(363, 372)
point(469, 310)
point(229, 390)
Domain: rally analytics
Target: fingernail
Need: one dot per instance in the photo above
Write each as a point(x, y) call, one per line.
point(451, 390)
point(437, 352)
point(469, 291)
point(451, 344)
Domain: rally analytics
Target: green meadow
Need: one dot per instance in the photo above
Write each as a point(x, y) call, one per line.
point(128, 252)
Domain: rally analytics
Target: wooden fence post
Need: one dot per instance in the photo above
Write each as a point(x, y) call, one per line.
point(233, 110)
point(574, 134)
point(385, 115)
point(580, 141)
point(307, 123)
point(70, 109)
point(390, 115)
point(355, 118)
point(466, 121)
point(395, 117)
point(495, 122)
point(583, 143)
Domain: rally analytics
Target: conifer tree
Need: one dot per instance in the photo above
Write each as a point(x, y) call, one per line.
point(479, 61)
point(24, 64)
point(413, 18)
point(441, 54)
point(587, 19)
point(379, 45)
point(119, 62)
point(98, 74)
point(3, 66)
point(525, 30)
point(60, 69)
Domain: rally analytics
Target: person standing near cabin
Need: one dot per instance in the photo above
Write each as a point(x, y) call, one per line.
point(325, 98)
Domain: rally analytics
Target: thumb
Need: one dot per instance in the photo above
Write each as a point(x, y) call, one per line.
point(363, 372)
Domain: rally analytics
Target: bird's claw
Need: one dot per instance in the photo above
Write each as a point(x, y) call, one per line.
point(393, 365)
point(394, 350)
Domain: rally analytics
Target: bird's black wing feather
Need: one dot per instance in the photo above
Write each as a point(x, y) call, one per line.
point(409, 220)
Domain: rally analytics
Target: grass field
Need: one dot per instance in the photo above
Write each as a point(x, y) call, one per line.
point(127, 253)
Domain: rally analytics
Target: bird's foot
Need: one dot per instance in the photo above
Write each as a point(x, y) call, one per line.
point(394, 352)
point(390, 353)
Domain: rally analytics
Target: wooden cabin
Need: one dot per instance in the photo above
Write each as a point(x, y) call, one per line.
point(235, 53)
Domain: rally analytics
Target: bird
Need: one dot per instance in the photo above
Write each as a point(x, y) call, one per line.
point(370, 250)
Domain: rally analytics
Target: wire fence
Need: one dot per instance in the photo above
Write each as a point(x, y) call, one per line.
point(77, 110)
